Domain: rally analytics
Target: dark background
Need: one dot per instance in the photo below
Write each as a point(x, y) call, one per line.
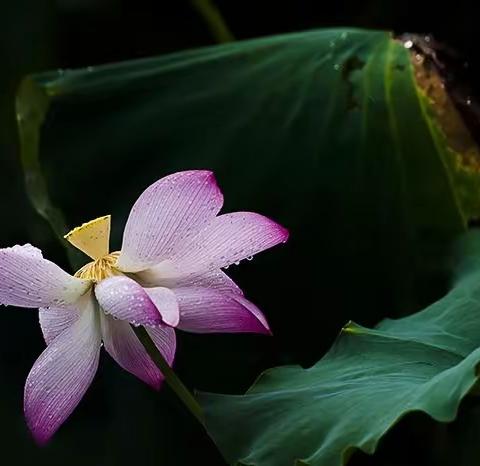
point(120, 420)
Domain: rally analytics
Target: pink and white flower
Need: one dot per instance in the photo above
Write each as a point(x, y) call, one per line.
point(166, 275)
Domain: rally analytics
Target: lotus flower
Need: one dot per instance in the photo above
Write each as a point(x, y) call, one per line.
point(167, 274)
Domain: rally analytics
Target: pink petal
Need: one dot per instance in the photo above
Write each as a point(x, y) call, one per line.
point(124, 346)
point(29, 280)
point(125, 299)
point(166, 215)
point(55, 320)
point(163, 275)
point(216, 280)
point(166, 303)
point(204, 310)
point(165, 340)
point(226, 240)
point(61, 375)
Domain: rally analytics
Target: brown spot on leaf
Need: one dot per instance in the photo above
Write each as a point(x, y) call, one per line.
point(449, 108)
point(349, 66)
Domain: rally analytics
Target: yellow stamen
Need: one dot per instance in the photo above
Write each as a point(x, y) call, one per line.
point(100, 269)
point(92, 238)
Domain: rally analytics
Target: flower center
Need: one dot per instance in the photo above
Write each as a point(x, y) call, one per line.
point(100, 269)
point(92, 238)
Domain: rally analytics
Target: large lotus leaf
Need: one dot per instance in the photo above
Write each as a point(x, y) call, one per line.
point(368, 380)
point(330, 132)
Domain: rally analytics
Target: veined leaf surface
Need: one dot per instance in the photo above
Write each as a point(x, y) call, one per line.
point(368, 380)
